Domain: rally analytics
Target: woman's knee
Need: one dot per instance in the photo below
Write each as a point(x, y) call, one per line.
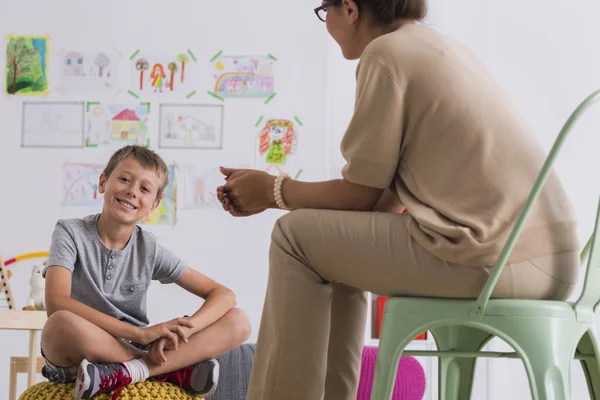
point(288, 226)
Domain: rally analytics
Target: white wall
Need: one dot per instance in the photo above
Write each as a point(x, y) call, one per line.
point(545, 55)
point(543, 52)
point(233, 251)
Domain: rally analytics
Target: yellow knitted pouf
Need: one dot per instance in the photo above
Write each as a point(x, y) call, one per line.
point(140, 391)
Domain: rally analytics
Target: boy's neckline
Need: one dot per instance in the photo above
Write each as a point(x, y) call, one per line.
point(125, 247)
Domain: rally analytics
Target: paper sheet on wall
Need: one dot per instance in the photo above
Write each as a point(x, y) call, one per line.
point(116, 123)
point(162, 75)
point(191, 126)
point(52, 124)
point(81, 71)
point(27, 65)
point(80, 184)
point(277, 145)
point(243, 76)
point(199, 186)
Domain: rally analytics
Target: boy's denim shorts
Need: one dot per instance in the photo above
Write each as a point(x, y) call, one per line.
point(58, 374)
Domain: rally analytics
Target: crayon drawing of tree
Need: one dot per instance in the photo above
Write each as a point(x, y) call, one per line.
point(173, 68)
point(26, 65)
point(102, 61)
point(142, 65)
point(182, 58)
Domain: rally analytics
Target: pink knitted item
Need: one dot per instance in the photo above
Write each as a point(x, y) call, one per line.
point(410, 379)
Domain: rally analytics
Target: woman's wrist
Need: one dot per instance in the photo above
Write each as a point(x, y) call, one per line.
point(278, 192)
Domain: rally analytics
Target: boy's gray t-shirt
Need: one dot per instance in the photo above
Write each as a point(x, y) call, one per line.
point(114, 282)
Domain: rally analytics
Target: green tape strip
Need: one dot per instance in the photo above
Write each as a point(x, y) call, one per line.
point(259, 121)
point(133, 94)
point(192, 55)
point(298, 174)
point(89, 103)
point(271, 56)
point(190, 94)
point(216, 56)
point(270, 98)
point(147, 143)
point(298, 121)
point(147, 104)
point(134, 54)
point(216, 96)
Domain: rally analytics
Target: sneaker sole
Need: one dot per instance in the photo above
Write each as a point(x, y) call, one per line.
point(215, 378)
point(83, 380)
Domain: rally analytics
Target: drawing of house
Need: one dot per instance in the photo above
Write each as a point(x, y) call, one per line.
point(192, 128)
point(74, 64)
point(125, 126)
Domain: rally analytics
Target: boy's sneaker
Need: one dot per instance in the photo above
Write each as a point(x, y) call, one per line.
point(99, 378)
point(200, 379)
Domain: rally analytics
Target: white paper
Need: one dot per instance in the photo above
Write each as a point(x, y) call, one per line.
point(191, 126)
point(52, 124)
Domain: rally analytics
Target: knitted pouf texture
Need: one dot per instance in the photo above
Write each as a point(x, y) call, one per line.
point(234, 377)
point(140, 391)
point(410, 379)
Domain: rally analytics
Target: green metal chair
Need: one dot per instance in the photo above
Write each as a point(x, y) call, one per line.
point(546, 335)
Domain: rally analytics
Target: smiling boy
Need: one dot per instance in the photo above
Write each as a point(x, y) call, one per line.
point(97, 275)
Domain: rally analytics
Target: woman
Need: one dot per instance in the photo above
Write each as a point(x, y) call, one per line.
point(434, 132)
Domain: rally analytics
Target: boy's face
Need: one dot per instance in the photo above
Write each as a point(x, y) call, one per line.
point(129, 192)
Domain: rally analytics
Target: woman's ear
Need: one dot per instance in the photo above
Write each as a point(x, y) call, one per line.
point(351, 10)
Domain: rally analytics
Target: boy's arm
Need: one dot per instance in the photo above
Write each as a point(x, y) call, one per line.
point(218, 298)
point(58, 297)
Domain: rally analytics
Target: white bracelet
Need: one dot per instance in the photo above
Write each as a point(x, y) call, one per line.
point(277, 191)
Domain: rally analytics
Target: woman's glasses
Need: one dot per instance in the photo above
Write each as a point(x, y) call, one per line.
point(321, 11)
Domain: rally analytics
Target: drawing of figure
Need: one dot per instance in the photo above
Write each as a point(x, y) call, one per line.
point(157, 77)
point(278, 139)
point(73, 64)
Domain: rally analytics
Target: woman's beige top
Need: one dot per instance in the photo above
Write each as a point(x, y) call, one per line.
point(432, 124)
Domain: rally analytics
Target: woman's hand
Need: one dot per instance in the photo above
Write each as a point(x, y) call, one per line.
point(246, 191)
point(171, 330)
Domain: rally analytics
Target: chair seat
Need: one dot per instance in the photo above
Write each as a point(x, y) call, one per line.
point(496, 307)
point(148, 390)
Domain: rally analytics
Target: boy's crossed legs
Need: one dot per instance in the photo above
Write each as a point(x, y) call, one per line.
point(72, 345)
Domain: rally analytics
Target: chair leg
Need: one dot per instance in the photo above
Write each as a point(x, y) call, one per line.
point(395, 336)
point(591, 368)
point(547, 351)
point(455, 375)
point(12, 380)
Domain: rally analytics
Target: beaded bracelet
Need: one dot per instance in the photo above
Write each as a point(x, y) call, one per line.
point(277, 191)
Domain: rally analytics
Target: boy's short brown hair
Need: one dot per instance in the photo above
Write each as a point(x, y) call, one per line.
point(149, 160)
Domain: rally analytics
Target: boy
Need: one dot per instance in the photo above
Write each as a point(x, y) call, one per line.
point(97, 275)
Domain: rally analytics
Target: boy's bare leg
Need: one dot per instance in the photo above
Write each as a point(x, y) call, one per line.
point(227, 333)
point(67, 339)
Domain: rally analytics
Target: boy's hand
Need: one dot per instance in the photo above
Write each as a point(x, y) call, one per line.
point(156, 351)
point(168, 330)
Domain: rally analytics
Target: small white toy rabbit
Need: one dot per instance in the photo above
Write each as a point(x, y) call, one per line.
point(37, 295)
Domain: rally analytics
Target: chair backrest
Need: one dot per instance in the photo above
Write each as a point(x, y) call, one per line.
point(591, 292)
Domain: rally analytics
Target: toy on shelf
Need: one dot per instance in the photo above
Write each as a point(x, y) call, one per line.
point(37, 294)
point(36, 300)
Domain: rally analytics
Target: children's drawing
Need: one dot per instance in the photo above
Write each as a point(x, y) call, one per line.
point(52, 124)
point(195, 126)
point(277, 143)
point(88, 72)
point(162, 74)
point(200, 187)
point(80, 184)
point(243, 76)
point(106, 123)
point(166, 212)
point(27, 65)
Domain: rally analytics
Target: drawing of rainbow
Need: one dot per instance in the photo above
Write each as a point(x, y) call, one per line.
point(262, 85)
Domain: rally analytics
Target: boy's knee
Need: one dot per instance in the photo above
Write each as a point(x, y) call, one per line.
point(58, 322)
point(241, 324)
